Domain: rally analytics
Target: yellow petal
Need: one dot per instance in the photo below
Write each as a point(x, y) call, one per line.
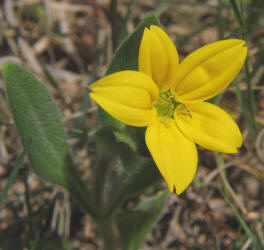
point(209, 126)
point(128, 78)
point(174, 154)
point(158, 57)
point(128, 96)
point(210, 69)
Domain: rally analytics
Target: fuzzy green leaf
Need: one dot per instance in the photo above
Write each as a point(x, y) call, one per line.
point(38, 124)
point(110, 146)
point(133, 180)
point(126, 139)
point(40, 129)
point(133, 226)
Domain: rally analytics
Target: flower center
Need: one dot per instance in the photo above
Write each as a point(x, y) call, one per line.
point(166, 104)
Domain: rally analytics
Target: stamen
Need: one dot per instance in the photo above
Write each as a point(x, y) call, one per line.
point(187, 110)
point(182, 109)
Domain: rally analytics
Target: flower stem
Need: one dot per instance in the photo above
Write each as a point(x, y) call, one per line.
point(108, 233)
point(79, 191)
point(100, 175)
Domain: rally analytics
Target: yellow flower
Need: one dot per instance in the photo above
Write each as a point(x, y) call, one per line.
point(168, 98)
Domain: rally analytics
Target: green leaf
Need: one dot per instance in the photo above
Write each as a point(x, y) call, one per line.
point(133, 226)
point(107, 143)
point(126, 139)
point(133, 180)
point(40, 128)
point(126, 56)
point(136, 173)
point(110, 152)
point(38, 124)
point(120, 145)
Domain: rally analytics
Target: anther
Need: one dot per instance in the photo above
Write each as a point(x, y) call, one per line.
point(187, 110)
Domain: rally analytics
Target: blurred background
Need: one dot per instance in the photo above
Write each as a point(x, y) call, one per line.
point(69, 44)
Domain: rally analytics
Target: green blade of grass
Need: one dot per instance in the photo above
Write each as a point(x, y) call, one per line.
point(220, 21)
point(123, 29)
point(246, 113)
point(217, 245)
point(255, 13)
point(242, 222)
point(12, 177)
point(238, 12)
point(258, 64)
point(160, 7)
point(239, 17)
point(227, 192)
point(250, 92)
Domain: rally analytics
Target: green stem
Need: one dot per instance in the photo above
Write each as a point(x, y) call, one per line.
point(105, 224)
point(12, 177)
point(79, 191)
point(100, 175)
point(28, 205)
point(108, 233)
point(113, 21)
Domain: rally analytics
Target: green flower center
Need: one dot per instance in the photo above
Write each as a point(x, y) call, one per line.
point(166, 104)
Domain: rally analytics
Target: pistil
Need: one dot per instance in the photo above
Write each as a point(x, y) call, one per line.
point(166, 104)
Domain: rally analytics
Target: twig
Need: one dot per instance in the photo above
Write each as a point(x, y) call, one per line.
point(220, 161)
point(247, 244)
point(246, 167)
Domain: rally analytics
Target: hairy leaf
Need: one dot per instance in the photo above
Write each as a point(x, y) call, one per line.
point(133, 226)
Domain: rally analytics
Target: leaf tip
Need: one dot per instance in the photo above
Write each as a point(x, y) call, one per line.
point(6, 67)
